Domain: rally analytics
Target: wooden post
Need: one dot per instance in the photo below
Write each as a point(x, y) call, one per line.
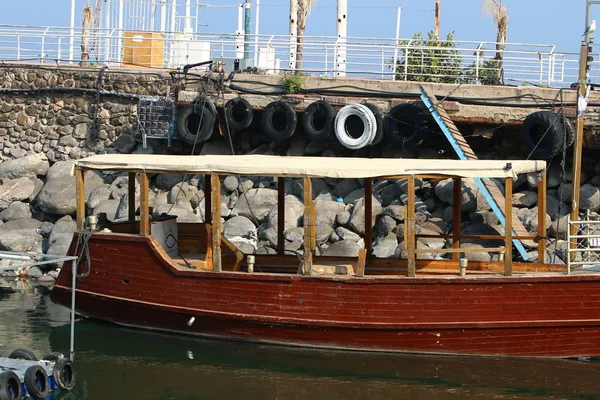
point(80, 187)
point(542, 217)
point(456, 214)
point(508, 227)
point(410, 227)
point(308, 231)
point(369, 215)
point(144, 205)
point(207, 200)
point(216, 221)
point(131, 193)
point(280, 215)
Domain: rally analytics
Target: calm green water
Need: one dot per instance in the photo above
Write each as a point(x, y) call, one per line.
point(115, 363)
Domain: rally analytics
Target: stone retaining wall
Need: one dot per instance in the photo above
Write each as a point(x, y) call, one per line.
point(68, 113)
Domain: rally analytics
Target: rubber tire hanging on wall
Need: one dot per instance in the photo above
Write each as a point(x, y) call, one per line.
point(279, 121)
point(380, 121)
point(569, 131)
point(239, 114)
point(208, 104)
point(36, 382)
point(343, 126)
point(317, 120)
point(195, 124)
point(406, 126)
point(10, 386)
point(543, 134)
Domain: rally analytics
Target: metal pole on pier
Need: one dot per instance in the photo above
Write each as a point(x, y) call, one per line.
point(293, 34)
point(72, 32)
point(395, 65)
point(581, 106)
point(342, 34)
point(437, 19)
point(256, 25)
point(247, 16)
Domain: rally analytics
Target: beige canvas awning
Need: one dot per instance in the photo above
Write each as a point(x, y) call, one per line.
point(332, 167)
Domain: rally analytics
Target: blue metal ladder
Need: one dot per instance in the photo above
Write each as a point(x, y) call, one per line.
point(489, 190)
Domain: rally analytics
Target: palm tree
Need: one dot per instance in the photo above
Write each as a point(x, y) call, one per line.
point(86, 21)
point(304, 8)
point(497, 10)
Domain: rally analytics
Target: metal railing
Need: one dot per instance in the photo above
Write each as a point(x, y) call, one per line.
point(467, 61)
point(584, 244)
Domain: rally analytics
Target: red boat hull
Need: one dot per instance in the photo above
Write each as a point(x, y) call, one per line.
point(131, 283)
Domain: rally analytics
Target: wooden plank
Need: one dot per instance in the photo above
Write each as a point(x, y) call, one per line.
point(280, 214)
point(508, 227)
point(131, 193)
point(461, 250)
point(368, 182)
point(308, 218)
point(456, 214)
point(80, 188)
point(362, 261)
point(144, 204)
point(542, 218)
point(410, 227)
point(215, 182)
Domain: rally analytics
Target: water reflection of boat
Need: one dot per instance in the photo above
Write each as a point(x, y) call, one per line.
point(179, 366)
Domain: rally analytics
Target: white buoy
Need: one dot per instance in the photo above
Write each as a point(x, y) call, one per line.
point(191, 321)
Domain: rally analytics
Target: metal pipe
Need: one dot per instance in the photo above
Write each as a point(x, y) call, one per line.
point(239, 33)
point(173, 16)
point(106, 32)
point(72, 32)
point(73, 283)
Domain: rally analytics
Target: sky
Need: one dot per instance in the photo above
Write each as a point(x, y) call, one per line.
point(555, 22)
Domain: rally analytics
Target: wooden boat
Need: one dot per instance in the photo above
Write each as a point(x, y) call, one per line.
point(413, 305)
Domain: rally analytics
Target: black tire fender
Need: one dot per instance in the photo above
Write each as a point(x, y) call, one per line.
point(380, 121)
point(569, 131)
point(23, 354)
point(406, 126)
point(209, 104)
point(64, 374)
point(10, 386)
point(195, 124)
point(36, 382)
point(543, 134)
point(239, 114)
point(279, 121)
point(54, 356)
point(323, 114)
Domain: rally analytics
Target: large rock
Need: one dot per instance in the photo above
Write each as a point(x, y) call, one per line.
point(256, 204)
point(328, 210)
point(529, 218)
point(21, 235)
point(167, 181)
point(15, 190)
point(386, 246)
point(471, 197)
point(589, 197)
point(27, 166)
point(294, 212)
point(345, 187)
point(58, 196)
point(184, 214)
point(16, 210)
point(239, 226)
point(61, 236)
point(348, 248)
point(125, 144)
point(109, 207)
point(357, 220)
point(524, 199)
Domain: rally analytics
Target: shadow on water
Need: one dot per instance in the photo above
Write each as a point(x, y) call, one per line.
point(145, 365)
point(118, 363)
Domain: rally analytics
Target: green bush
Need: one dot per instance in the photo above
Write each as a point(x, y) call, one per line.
point(293, 83)
point(430, 60)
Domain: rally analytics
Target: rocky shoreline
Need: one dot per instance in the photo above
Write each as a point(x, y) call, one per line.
point(37, 205)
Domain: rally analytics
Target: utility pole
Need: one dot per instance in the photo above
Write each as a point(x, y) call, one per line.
point(584, 58)
point(342, 34)
point(437, 19)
